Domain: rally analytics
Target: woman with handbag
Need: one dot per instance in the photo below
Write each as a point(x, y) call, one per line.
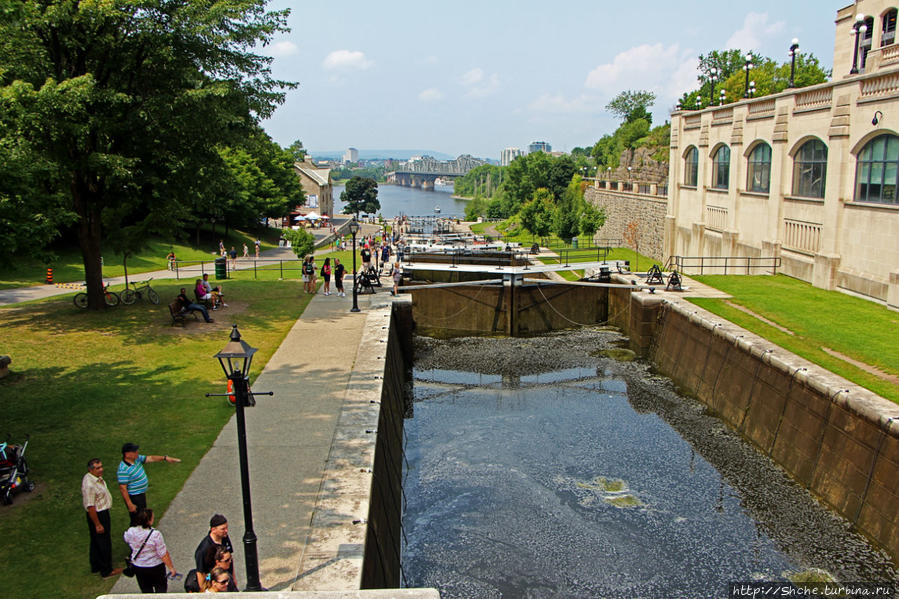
point(149, 556)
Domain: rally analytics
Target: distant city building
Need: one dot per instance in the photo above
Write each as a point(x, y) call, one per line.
point(508, 155)
point(351, 155)
point(539, 146)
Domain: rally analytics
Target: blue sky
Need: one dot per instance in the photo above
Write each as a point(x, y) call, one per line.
point(475, 77)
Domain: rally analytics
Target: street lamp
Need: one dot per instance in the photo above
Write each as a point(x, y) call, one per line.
point(794, 47)
point(723, 97)
point(354, 227)
point(235, 359)
point(747, 66)
point(713, 77)
point(858, 27)
point(752, 89)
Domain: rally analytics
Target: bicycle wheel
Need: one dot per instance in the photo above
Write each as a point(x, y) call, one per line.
point(112, 299)
point(80, 300)
point(128, 296)
point(152, 296)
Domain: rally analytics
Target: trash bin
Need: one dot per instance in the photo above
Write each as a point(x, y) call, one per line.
point(221, 268)
point(574, 243)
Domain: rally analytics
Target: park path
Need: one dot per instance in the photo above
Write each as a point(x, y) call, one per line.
point(289, 439)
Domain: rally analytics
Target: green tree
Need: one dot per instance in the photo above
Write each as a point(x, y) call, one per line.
point(592, 218)
point(127, 103)
point(302, 242)
point(297, 151)
point(360, 195)
point(528, 173)
point(631, 105)
point(537, 214)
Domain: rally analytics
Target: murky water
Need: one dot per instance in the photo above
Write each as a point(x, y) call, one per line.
point(537, 470)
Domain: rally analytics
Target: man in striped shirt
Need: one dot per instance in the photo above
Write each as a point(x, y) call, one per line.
point(97, 501)
point(133, 480)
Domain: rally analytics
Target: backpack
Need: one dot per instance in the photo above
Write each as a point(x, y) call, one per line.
point(322, 271)
point(190, 582)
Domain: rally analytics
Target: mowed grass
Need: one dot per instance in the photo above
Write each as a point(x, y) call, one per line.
point(859, 329)
point(83, 383)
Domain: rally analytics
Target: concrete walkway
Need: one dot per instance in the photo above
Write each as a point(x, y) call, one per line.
point(289, 438)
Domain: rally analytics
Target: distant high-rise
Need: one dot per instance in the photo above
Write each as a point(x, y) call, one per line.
point(351, 155)
point(539, 146)
point(508, 155)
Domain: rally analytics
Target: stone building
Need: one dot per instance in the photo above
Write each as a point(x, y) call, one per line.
point(317, 185)
point(807, 175)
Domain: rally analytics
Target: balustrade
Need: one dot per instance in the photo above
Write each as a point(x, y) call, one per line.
point(802, 236)
point(885, 85)
point(716, 217)
point(816, 98)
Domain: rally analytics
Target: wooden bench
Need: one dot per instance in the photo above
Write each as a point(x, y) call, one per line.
point(179, 313)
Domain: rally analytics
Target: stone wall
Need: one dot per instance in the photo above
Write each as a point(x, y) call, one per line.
point(623, 208)
point(836, 438)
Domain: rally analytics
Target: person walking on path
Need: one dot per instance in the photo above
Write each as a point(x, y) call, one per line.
point(397, 277)
point(246, 250)
point(97, 501)
point(221, 248)
point(258, 243)
point(132, 478)
point(326, 276)
point(233, 255)
point(149, 555)
point(217, 538)
point(339, 271)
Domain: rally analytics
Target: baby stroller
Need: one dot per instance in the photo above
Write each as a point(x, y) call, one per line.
point(13, 471)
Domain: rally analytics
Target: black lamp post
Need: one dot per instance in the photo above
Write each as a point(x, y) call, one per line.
point(752, 89)
point(858, 28)
point(354, 229)
point(794, 47)
point(713, 78)
point(723, 97)
point(747, 66)
point(235, 359)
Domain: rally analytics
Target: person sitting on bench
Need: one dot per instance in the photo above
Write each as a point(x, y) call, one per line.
point(190, 306)
point(216, 294)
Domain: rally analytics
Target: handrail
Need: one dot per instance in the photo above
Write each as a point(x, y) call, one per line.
point(723, 263)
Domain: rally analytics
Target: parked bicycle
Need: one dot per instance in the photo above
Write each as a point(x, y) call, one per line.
point(135, 292)
point(111, 298)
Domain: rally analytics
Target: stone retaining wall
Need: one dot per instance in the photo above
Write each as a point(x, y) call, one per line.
point(834, 437)
point(623, 208)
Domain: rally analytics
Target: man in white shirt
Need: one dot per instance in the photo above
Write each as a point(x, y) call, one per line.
point(97, 501)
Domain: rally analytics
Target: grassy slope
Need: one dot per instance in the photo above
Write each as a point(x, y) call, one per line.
point(83, 383)
point(860, 329)
point(68, 266)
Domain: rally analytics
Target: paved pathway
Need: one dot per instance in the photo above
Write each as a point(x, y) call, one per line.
point(289, 437)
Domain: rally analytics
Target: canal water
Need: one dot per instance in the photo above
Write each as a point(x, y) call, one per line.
point(408, 201)
point(540, 468)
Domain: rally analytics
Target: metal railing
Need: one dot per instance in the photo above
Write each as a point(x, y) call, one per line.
point(722, 265)
point(197, 268)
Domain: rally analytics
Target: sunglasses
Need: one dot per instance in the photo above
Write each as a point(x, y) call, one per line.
point(226, 581)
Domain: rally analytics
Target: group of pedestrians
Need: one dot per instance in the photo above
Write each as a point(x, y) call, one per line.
point(150, 561)
point(311, 273)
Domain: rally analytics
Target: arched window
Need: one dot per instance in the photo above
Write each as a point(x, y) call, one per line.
point(877, 169)
point(721, 168)
point(759, 173)
point(810, 170)
point(691, 167)
point(888, 30)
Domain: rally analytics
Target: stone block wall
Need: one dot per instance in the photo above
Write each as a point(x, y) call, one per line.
point(622, 208)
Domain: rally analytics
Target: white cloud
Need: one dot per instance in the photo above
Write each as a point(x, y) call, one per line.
point(472, 77)
point(283, 48)
point(755, 30)
point(346, 60)
point(559, 104)
point(479, 84)
point(671, 69)
point(431, 94)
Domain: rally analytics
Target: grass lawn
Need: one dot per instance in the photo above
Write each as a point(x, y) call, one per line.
point(83, 383)
point(590, 255)
point(68, 267)
point(857, 328)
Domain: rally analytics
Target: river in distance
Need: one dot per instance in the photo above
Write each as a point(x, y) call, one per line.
point(408, 201)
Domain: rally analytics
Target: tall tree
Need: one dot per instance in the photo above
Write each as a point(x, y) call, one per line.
point(126, 103)
point(360, 195)
point(631, 105)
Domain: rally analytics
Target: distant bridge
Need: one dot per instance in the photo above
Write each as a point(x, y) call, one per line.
point(422, 172)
